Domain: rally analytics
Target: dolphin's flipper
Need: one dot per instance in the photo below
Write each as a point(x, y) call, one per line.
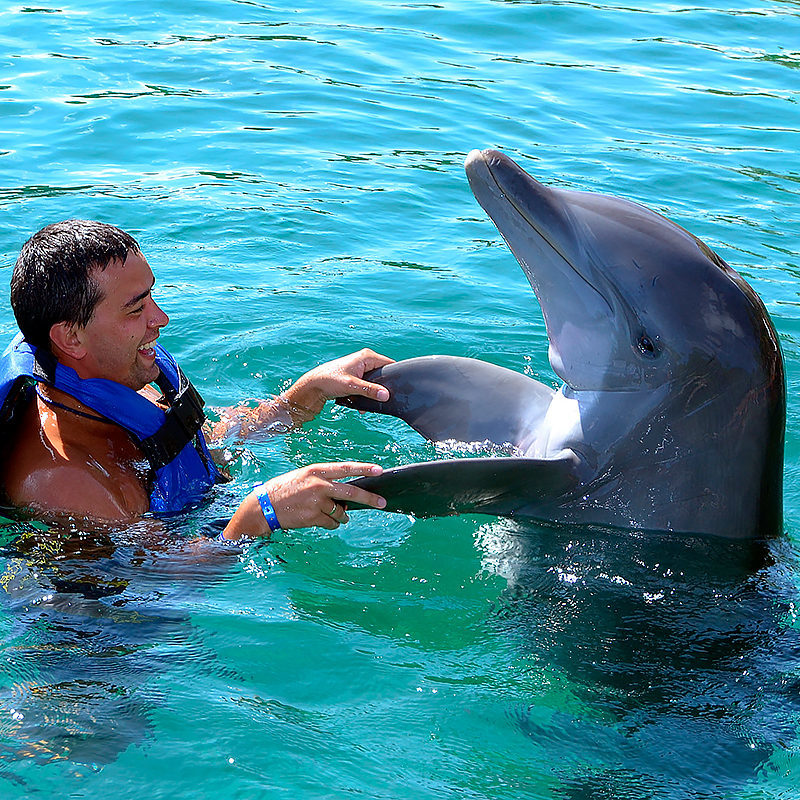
point(481, 485)
point(445, 397)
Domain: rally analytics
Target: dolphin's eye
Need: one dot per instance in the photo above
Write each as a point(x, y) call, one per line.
point(646, 346)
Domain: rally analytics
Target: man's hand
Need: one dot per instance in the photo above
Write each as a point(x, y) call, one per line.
point(304, 399)
point(340, 378)
point(306, 497)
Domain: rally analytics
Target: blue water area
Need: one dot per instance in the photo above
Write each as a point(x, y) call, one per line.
point(294, 176)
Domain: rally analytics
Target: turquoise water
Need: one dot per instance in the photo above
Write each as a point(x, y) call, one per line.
point(294, 175)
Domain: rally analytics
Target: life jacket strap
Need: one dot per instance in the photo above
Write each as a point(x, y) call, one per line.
point(183, 420)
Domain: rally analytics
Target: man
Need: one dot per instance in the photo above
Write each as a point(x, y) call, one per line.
point(82, 296)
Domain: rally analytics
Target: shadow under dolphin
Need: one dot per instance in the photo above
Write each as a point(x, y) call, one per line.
point(667, 663)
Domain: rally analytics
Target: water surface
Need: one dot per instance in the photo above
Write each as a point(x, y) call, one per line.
point(294, 176)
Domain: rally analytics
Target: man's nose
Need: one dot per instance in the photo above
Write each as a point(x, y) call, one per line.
point(158, 319)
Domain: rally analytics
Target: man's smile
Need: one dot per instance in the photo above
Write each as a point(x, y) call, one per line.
point(148, 349)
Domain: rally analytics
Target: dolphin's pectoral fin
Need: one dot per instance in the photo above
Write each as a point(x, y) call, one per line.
point(500, 486)
point(445, 397)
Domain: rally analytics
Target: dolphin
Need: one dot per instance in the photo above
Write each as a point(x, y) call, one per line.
point(671, 414)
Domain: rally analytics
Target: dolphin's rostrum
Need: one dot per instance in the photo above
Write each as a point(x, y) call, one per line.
point(672, 412)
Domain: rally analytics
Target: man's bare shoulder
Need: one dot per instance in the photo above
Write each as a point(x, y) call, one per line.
point(66, 489)
point(74, 474)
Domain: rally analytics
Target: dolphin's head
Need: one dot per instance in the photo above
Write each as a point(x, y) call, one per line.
point(630, 300)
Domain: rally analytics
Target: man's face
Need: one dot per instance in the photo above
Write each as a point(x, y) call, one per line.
point(119, 337)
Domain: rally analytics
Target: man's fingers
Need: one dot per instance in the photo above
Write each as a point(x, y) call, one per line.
point(347, 493)
point(324, 521)
point(338, 513)
point(378, 392)
point(373, 390)
point(354, 494)
point(374, 360)
point(331, 519)
point(345, 469)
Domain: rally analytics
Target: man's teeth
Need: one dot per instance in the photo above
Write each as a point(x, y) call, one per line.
point(148, 345)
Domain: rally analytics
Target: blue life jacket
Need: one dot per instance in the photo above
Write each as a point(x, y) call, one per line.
point(172, 441)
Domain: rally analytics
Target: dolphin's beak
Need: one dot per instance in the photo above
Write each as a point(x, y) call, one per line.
point(541, 230)
point(493, 176)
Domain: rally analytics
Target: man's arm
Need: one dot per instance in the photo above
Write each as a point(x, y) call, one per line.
point(302, 401)
point(314, 495)
point(306, 497)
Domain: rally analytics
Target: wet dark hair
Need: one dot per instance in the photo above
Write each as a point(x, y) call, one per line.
point(52, 280)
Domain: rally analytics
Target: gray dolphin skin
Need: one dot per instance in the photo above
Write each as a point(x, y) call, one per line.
point(672, 412)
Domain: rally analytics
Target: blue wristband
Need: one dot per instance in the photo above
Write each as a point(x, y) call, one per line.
point(266, 507)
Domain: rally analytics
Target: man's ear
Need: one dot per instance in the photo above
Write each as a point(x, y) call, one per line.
point(66, 339)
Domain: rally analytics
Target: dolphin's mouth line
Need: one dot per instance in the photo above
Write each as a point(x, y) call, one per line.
point(546, 239)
